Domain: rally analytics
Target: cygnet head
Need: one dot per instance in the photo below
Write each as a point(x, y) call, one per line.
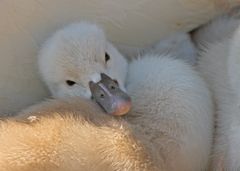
point(76, 55)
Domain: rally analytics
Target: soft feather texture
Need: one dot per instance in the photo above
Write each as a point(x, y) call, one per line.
point(69, 135)
point(77, 53)
point(136, 24)
point(215, 31)
point(168, 128)
point(172, 106)
point(178, 45)
point(219, 64)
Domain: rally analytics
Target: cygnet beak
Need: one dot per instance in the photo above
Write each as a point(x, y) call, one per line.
point(110, 97)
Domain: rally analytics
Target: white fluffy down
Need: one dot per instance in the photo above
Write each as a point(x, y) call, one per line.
point(220, 65)
point(173, 109)
point(172, 106)
point(77, 53)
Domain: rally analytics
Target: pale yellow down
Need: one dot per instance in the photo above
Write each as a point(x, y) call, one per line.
point(70, 135)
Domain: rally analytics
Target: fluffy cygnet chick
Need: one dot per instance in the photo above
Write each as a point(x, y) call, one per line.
point(77, 55)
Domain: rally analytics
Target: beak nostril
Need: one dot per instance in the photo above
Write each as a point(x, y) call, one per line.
point(102, 95)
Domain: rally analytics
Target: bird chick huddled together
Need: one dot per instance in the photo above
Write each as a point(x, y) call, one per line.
point(164, 97)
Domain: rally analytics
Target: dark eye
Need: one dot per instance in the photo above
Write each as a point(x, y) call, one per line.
point(113, 87)
point(107, 57)
point(70, 82)
point(102, 96)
